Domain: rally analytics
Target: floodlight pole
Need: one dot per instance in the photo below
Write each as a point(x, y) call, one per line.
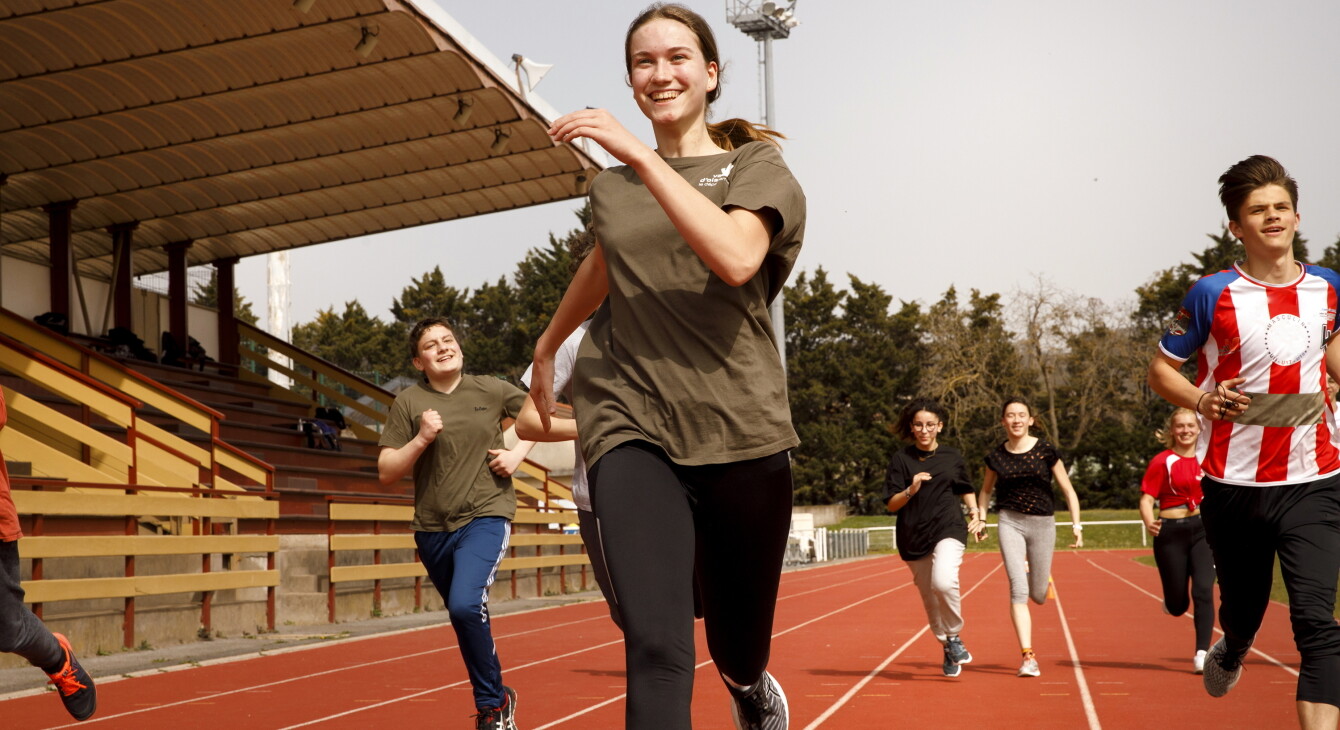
point(763, 27)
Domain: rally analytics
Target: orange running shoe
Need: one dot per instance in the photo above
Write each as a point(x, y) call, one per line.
point(75, 686)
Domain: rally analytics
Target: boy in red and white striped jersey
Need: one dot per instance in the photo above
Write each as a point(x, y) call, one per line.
point(1258, 332)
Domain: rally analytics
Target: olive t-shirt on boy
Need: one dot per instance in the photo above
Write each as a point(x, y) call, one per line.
point(680, 358)
point(452, 480)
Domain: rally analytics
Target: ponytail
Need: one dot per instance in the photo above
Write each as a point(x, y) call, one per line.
point(733, 133)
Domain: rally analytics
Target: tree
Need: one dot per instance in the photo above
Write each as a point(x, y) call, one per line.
point(428, 296)
point(207, 295)
point(851, 366)
point(489, 335)
point(355, 341)
point(1101, 412)
point(1330, 256)
point(543, 276)
point(972, 364)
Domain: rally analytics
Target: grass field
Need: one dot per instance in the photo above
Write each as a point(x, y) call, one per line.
point(1096, 537)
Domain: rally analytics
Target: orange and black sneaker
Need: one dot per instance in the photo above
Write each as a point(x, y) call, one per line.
point(73, 683)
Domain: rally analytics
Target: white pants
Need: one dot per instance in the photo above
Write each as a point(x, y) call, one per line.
point(936, 576)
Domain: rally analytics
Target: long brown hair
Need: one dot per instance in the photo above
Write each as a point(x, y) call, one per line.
point(727, 134)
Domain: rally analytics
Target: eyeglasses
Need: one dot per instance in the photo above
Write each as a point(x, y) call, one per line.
point(925, 426)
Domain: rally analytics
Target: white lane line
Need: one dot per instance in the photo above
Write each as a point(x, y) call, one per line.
point(449, 686)
point(1217, 630)
point(312, 675)
point(296, 678)
point(830, 586)
point(844, 699)
point(700, 665)
point(1090, 711)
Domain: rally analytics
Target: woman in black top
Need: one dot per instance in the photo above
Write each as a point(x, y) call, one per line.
point(1022, 468)
point(925, 484)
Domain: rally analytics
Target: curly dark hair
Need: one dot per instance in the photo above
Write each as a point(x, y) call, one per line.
point(903, 428)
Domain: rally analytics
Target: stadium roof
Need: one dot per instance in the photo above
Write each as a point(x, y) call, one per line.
point(251, 126)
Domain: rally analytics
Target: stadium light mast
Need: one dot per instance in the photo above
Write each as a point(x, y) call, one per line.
point(766, 22)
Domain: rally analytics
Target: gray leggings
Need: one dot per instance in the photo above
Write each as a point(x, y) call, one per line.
point(22, 632)
point(1030, 538)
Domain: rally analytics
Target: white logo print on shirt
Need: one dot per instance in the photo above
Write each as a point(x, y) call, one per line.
point(711, 182)
point(1288, 339)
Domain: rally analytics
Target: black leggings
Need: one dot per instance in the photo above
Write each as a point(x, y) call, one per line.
point(1183, 556)
point(662, 525)
point(1247, 527)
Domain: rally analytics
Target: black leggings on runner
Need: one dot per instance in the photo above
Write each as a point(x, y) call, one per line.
point(663, 524)
point(1183, 556)
point(1247, 527)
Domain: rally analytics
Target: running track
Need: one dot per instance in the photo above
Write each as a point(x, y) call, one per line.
point(851, 648)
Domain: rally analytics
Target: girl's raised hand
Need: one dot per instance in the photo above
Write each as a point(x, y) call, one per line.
point(601, 126)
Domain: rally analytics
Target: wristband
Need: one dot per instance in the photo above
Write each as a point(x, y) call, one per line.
point(1198, 401)
point(1078, 527)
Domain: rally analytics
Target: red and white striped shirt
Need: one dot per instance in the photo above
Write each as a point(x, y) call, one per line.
point(1274, 335)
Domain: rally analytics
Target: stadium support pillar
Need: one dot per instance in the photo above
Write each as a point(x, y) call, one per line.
point(225, 287)
point(123, 251)
point(177, 292)
point(62, 255)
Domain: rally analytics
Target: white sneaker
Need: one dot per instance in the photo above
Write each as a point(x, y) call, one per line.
point(1030, 666)
point(1199, 661)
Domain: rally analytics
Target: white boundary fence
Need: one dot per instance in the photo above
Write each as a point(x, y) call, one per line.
point(808, 544)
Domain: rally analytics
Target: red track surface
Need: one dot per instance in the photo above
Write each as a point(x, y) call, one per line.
point(851, 649)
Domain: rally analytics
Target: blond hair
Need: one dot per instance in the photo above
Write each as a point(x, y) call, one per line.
point(1164, 435)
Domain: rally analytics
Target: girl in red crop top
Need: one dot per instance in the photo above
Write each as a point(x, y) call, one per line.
point(1180, 549)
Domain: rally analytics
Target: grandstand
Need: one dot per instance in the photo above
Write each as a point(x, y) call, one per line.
point(161, 502)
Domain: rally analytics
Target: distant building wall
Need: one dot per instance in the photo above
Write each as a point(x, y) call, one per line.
point(824, 514)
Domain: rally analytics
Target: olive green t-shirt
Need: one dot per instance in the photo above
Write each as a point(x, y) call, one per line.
point(452, 480)
point(679, 357)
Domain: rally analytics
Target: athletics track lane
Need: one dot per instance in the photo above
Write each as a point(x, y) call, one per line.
point(850, 648)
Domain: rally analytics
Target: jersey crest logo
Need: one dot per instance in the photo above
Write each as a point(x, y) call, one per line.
point(1230, 347)
point(1288, 339)
point(1179, 323)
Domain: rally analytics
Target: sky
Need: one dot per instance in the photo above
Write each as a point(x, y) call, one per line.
point(974, 144)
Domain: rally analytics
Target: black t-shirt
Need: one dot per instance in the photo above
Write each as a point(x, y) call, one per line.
point(1024, 481)
point(934, 512)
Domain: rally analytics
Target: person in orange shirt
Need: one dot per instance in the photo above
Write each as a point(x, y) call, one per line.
point(21, 631)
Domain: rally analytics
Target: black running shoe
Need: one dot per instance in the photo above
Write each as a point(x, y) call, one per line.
point(499, 718)
point(950, 667)
point(763, 707)
point(955, 648)
point(74, 685)
point(1222, 671)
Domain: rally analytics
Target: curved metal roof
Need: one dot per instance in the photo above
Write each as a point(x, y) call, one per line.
point(250, 126)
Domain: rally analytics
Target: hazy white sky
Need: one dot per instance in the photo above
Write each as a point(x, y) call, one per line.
point(966, 143)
